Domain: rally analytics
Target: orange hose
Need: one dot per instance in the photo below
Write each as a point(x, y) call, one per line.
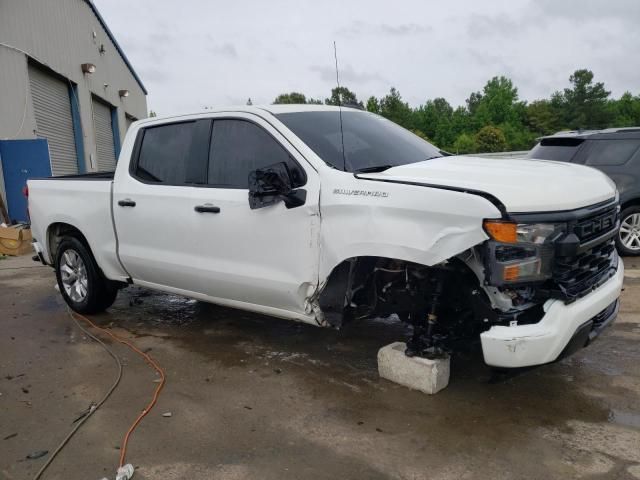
point(151, 361)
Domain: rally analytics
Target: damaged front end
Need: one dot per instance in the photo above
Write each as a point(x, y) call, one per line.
point(507, 281)
point(444, 303)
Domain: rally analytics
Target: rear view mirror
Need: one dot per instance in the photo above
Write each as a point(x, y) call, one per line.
point(271, 184)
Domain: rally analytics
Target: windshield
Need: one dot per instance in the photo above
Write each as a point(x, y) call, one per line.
point(370, 142)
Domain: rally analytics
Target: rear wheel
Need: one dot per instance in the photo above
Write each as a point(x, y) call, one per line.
point(81, 283)
point(628, 240)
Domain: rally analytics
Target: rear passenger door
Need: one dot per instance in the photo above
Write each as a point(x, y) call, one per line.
point(153, 204)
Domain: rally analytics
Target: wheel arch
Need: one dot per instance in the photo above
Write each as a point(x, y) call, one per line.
point(339, 284)
point(57, 231)
point(632, 202)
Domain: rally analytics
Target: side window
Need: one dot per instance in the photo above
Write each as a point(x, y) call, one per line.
point(610, 152)
point(239, 147)
point(174, 154)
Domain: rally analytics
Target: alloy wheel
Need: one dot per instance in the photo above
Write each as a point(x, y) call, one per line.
point(73, 273)
point(630, 232)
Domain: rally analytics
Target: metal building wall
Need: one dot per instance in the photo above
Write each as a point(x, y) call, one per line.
point(60, 34)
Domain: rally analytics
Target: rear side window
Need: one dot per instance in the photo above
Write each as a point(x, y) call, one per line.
point(560, 149)
point(610, 152)
point(166, 152)
point(239, 147)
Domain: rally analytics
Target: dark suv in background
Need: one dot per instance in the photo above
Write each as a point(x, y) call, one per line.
point(614, 151)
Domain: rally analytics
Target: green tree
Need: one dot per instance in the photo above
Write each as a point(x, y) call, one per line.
point(461, 122)
point(292, 97)
point(473, 102)
point(465, 143)
point(373, 105)
point(490, 139)
point(435, 118)
point(421, 134)
point(494, 118)
point(518, 137)
point(498, 104)
point(625, 111)
point(542, 117)
point(395, 109)
point(343, 96)
point(585, 103)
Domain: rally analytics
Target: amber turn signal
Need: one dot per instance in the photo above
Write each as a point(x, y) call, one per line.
point(511, 273)
point(501, 231)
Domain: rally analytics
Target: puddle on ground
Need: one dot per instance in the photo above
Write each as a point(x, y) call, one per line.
point(342, 364)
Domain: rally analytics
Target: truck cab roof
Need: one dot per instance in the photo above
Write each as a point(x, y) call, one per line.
point(255, 109)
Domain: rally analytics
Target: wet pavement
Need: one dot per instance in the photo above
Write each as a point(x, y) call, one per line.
point(257, 397)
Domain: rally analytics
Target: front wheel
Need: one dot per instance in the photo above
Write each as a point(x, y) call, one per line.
point(628, 240)
point(81, 283)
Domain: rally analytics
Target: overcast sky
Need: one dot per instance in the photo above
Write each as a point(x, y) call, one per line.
point(196, 53)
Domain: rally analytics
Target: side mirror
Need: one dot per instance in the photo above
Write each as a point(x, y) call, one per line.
point(271, 184)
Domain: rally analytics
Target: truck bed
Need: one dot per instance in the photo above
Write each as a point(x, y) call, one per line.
point(82, 202)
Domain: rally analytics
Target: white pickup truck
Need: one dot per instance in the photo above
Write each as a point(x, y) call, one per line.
point(326, 216)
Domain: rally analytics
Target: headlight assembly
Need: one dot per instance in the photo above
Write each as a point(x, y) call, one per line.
point(520, 253)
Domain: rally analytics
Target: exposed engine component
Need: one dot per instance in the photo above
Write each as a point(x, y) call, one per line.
point(425, 342)
point(445, 304)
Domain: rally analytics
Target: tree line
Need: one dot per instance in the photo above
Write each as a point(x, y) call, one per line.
point(495, 119)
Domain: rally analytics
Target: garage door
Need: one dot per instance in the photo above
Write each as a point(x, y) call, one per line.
point(52, 108)
point(103, 129)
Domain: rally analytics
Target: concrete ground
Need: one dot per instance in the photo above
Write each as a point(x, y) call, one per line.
point(257, 397)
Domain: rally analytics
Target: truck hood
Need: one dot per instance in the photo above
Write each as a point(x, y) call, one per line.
point(521, 185)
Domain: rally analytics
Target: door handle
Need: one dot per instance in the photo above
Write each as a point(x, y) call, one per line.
point(127, 202)
point(206, 208)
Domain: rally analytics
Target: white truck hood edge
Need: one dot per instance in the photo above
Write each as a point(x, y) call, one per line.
point(522, 185)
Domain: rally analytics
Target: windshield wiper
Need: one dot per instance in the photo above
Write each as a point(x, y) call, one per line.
point(374, 169)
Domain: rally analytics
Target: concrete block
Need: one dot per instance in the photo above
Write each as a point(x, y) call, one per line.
point(428, 376)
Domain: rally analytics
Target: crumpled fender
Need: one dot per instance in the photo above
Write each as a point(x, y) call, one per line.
point(414, 223)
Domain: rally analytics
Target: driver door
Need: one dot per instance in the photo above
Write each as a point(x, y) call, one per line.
point(266, 256)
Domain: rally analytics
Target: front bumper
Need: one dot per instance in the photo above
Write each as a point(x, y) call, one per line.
point(543, 342)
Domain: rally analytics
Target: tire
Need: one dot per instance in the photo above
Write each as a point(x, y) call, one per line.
point(628, 238)
point(80, 280)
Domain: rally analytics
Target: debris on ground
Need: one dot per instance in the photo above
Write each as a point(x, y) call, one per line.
point(37, 454)
point(167, 414)
point(10, 436)
point(125, 472)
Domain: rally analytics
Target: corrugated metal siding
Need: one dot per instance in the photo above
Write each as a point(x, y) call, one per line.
point(128, 121)
point(103, 129)
point(52, 108)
